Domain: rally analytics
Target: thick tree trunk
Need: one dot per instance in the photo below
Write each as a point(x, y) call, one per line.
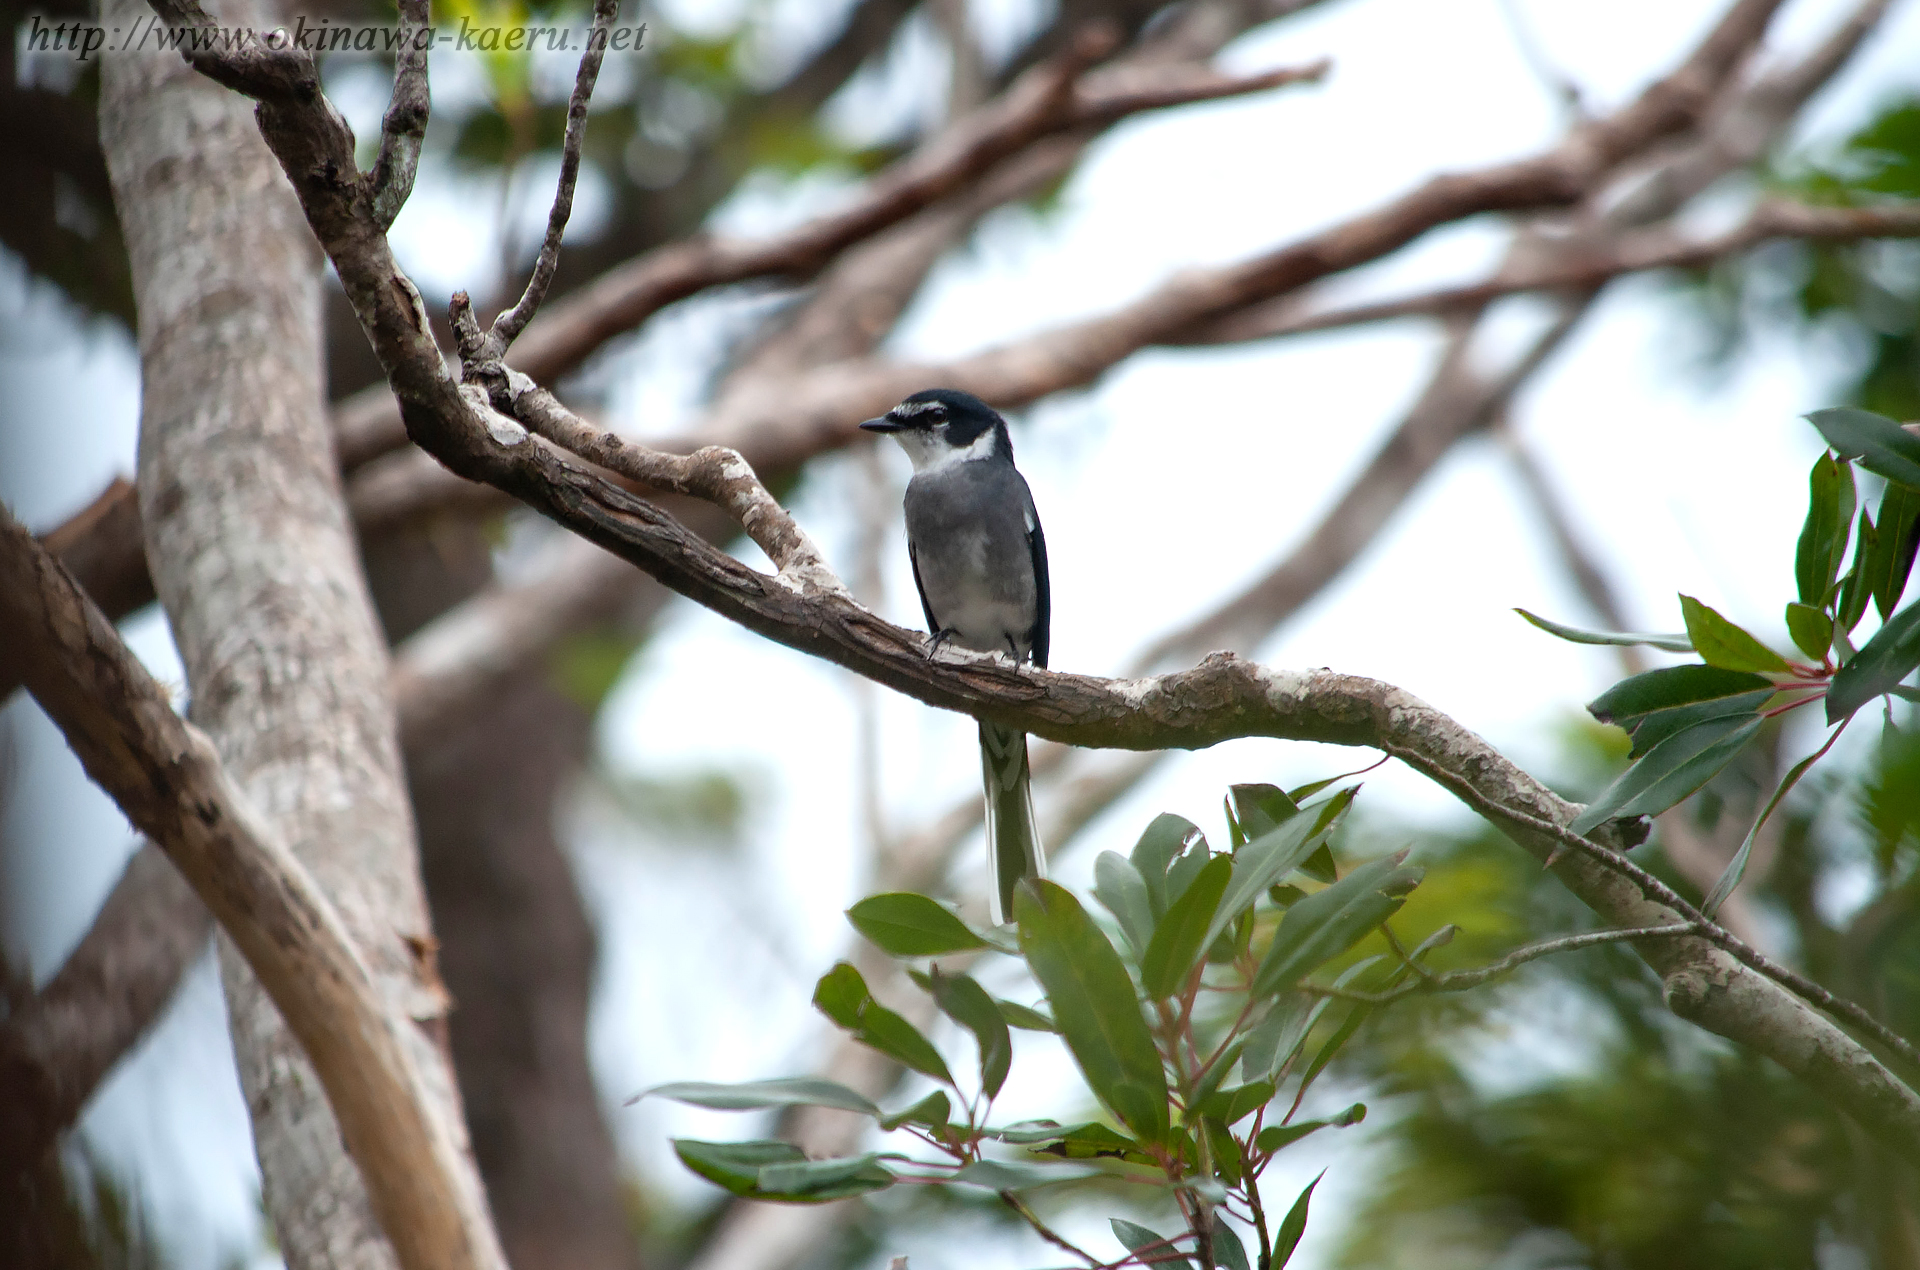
point(516, 945)
point(253, 559)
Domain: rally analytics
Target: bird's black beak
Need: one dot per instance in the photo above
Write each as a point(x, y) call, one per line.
point(883, 424)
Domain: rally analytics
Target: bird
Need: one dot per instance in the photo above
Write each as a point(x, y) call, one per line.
point(980, 564)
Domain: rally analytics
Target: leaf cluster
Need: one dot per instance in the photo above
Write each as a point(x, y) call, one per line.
point(1689, 722)
point(1187, 1016)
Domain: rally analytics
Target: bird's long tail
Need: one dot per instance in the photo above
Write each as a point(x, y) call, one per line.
point(1013, 838)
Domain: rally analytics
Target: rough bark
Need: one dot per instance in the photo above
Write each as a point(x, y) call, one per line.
point(252, 556)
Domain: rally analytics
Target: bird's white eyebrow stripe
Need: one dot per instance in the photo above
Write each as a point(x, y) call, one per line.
point(908, 409)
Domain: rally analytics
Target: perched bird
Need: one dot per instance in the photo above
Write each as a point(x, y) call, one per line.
point(980, 563)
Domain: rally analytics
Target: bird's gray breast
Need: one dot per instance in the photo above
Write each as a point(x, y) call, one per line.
point(969, 525)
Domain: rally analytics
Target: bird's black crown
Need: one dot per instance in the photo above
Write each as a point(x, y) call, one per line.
point(965, 417)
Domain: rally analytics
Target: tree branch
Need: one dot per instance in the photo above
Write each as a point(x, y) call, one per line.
point(1460, 980)
point(403, 130)
point(57, 1048)
point(165, 776)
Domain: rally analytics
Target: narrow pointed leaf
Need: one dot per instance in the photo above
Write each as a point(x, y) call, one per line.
point(1184, 933)
point(964, 1001)
point(1327, 923)
point(1019, 1175)
point(1271, 856)
point(1121, 889)
point(933, 1111)
point(1823, 537)
point(1857, 589)
point(1140, 1239)
point(1880, 444)
point(740, 1166)
point(908, 925)
point(1287, 1238)
point(842, 996)
point(1671, 770)
point(1096, 1142)
point(1231, 1106)
point(1738, 865)
point(1811, 628)
point(1165, 838)
point(1723, 644)
point(1671, 643)
point(1279, 1036)
point(1024, 1017)
point(1228, 1252)
point(1630, 701)
point(1899, 524)
point(1260, 809)
point(1184, 869)
point(1276, 1137)
point(1882, 662)
point(1094, 1006)
point(755, 1095)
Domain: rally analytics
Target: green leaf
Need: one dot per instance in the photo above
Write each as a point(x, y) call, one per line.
point(1823, 537)
point(1327, 923)
point(1163, 840)
point(1882, 662)
point(1184, 869)
point(934, 1111)
point(1632, 700)
point(1287, 1238)
point(1230, 1106)
point(1096, 1142)
point(1094, 1006)
point(1738, 865)
point(1279, 1036)
point(842, 996)
point(1857, 588)
point(1259, 809)
point(755, 1095)
point(1320, 867)
point(811, 1179)
point(964, 1001)
point(1003, 1175)
point(1139, 1239)
point(1184, 933)
point(1671, 770)
point(1892, 562)
point(1725, 645)
point(1276, 1137)
point(1811, 628)
point(1228, 1252)
point(1024, 1017)
point(1272, 855)
point(1672, 643)
point(1880, 444)
point(1027, 1132)
point(908, 925)
point(740, 1167)
point(1121, 889)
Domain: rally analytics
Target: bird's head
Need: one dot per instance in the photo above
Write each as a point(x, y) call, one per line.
point(938, 426)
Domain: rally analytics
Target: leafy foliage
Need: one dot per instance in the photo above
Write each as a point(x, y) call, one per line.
point(1197, 1031)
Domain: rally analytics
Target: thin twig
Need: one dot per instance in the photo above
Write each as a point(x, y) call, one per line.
point(1460, 980)
point(1654, 889)
point(404, 127)
point(507, 327)
point(1046, 1232)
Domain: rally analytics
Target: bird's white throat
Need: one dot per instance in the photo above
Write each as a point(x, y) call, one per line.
point(930, 452)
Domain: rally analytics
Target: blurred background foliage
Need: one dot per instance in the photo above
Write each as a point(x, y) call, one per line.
point(1644, 1144)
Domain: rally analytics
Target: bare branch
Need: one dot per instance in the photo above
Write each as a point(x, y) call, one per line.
point(1460, 980)
point(168, 780)
point(57, 1048)
point(507, 326)
point(1044, 102)
point(1582, 264)
point(403, 130)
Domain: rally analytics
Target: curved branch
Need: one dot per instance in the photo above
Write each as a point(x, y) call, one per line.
point(168, 780)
